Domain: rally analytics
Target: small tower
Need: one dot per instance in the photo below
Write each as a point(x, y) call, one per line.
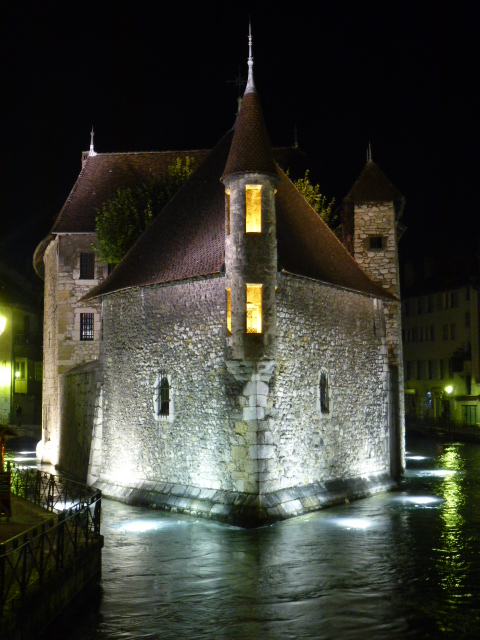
point(371, 214)
point(250, 178)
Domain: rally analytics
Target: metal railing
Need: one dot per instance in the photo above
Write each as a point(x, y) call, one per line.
point(29, 558)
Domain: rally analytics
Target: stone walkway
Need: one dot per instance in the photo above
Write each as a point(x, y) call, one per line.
point(25, 515)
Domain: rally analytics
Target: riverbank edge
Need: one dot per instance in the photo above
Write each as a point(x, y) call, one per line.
point(244, 509)
point(43, 604)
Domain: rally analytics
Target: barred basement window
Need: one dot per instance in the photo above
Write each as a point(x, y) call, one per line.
point(86, 326)
point(324, 399)
point(87, 266)
point(253, 208)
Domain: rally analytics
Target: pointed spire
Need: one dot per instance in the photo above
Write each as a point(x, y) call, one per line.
point(295, 135)
point(250, 84)
point(92, 150)
point(369, 153)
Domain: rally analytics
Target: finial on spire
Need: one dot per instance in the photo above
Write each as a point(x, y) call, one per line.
point(369, 153)
point(92, 150)
point(250, 83)
point(295, 134)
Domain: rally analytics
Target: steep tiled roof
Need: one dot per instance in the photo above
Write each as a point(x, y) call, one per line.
point(372, 185)
point(250, 150)
point(187, 239)
point(103, 174)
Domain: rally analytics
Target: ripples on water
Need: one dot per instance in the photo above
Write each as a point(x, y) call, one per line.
point(400, 565)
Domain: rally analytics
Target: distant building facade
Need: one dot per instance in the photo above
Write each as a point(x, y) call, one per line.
point(238, 363)
point(441, 352)
point(21, 355)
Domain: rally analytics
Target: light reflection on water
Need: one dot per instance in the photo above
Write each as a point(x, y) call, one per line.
point(399, 565)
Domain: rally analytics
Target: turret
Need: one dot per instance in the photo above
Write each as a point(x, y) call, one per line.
point(250, 178)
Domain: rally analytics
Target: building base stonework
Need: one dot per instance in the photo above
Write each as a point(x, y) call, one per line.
point(247, 509)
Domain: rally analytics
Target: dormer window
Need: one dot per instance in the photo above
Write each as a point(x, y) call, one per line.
point(254, 308)
point(253, 208)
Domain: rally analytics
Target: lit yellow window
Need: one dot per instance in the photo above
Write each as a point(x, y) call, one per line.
point(253, 196)
point(254, 308)
point(229, 310)
point(227, 210)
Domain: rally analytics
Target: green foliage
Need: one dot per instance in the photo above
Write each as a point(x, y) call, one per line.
point(318, 202)
point(121, 220)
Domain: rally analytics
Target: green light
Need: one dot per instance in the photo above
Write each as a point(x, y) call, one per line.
point(449, 389)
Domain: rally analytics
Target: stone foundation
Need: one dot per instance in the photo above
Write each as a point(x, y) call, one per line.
point(246, 509)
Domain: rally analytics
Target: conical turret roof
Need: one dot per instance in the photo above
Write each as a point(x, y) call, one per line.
point(372, 185)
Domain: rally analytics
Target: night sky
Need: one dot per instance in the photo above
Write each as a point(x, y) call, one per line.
point(158, 76)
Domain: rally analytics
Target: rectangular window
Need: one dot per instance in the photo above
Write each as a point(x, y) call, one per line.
point(432, 333)
point(253, 208)
point(445, 331)
point(442, 369)
point(467, 320)
point(414, 334)
point(452, 332)
point(420, 306)
point(229, 309)
point(409, 370)
point(431, 367)
point(87, 266)
point(469, 414)
point(227, 210)
point(254, 308)
point(454, 299)
point(429, 304)
point(21, 372)
point(86, 326)
point(375, 242)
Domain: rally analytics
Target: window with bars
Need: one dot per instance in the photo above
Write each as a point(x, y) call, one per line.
point(162, 397)
point(86, 326)
point(324, 396)
point(87, 266)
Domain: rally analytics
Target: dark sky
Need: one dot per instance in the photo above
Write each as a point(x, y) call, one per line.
point(154, 76)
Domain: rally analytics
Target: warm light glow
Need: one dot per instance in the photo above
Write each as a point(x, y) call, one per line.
point(17, 374)
point(5, 375)
point(229, 309)
point(253, 209)
point(254, 308)
point(449, 389)
point(3, 322)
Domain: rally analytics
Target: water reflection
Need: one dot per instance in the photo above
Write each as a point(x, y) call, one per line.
point(396, 566)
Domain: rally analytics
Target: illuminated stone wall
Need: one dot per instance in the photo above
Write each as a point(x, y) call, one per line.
point(321, 328)
point(179, 330)
point(61, 336)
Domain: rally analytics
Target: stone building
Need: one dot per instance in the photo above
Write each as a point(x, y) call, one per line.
point(441, 350)
point(20, 350)
point(242, 365)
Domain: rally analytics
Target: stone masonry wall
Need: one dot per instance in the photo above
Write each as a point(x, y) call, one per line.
point(341, 333)
point(63, 348)
point(79, 390)
point(178, 330)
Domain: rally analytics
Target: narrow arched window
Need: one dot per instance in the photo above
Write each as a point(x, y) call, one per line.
point(324, 401)
point(163, 396)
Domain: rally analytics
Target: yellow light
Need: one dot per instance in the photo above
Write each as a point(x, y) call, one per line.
point(254, 308)
point(3, 322)
point(229, 310)
point(5, 375)
point(449, 389)
point(253, 213)
point(17, 374)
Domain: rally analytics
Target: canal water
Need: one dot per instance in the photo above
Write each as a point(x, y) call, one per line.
point(396, 566)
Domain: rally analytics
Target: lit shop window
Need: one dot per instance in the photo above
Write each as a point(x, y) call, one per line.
point(254, 308)
point(253, 197)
